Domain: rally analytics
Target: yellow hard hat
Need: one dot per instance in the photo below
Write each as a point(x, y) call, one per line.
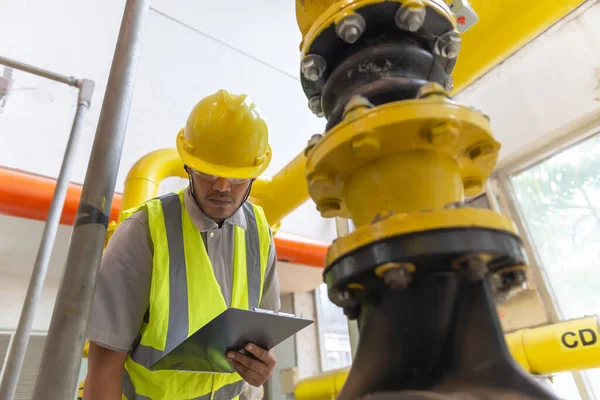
point(225, 135)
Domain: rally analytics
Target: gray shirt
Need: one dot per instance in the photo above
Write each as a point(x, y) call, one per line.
point(123, 283)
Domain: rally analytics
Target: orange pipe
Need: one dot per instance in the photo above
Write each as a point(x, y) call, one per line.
point(29, 196)
point(298, 249)
point(26, 195)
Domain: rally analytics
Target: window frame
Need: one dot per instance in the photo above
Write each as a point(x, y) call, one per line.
point(500, 187)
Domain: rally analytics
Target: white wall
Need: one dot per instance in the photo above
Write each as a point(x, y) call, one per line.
point(190, 49)
point(553, 80)
point(12, 296)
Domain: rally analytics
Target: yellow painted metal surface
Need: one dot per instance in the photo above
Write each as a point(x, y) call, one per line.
point(147, 173)
point(283, 192)
point(444, 148)
point(326, 386)
point(504, 27)
point(567, 346)
point(314, 17)
point(399, 224)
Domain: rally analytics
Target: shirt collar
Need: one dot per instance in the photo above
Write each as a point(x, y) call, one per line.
point(203, 222)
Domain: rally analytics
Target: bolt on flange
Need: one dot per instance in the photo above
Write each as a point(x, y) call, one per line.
point(448, 45)
point(312, 142)
point(411, 16)
point(432, 89)
point(351, 28)
point(509, 281)
point(395, 274)
point(329, 208)
point(442, 133)
point(312, 67)
point(473, 266)
point(473, 185)
point(449, 84)
point(314, 104)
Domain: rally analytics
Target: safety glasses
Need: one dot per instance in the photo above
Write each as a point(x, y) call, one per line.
point(213, 178)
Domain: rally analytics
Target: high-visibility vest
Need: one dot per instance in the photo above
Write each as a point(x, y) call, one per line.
point(185, 296)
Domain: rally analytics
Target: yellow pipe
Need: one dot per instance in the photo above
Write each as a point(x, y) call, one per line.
point(147, 173)
point(326, 386)
point(567, 346)
point(284, 192)
point(389, 177)
point(278, 195)
point(504, 26)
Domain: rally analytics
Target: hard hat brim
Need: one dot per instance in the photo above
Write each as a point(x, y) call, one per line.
point(221, 170)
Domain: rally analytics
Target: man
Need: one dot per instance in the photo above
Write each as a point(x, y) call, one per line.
point(178, 261)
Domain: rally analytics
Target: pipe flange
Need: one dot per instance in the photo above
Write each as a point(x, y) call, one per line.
point(378, 22)
point(448, 45)
point(372, 135)
point(406, 224)
point(427, 251)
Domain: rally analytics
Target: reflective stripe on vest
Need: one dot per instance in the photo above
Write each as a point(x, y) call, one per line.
point(182, 273)
point(227, 392)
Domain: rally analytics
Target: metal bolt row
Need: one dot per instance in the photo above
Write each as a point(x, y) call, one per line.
point(410, 17)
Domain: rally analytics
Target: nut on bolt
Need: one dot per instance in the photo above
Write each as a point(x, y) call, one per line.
point(396, 275)
point(473, 266)
point(366, 146)
point(481, 150)
point(431, 89)
point(448, 45)
point(442, 133)
point(315, 106)
point(473, 185)
point(312, 67)
point(329, 208)
point(341, 298)
point(312, 142)
point(411, 16)
point(350, 28)
point(449, 84)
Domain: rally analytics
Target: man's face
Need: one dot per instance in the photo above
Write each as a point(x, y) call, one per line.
point(218, 197)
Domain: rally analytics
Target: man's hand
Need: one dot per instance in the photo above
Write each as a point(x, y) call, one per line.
point(257, 370)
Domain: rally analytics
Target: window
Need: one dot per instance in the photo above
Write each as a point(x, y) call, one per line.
point(559, 199)
point(333, 333)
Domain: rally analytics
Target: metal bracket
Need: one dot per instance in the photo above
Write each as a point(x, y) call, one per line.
point(86, 90)
point(466, 16)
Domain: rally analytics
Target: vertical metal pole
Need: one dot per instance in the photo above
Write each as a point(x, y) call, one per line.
point(16, 355)
point(342, 228)
point(63, 351)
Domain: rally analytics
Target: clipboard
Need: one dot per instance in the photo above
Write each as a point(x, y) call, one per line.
point(205, 351)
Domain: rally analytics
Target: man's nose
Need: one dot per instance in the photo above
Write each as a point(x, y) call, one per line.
point(222, 185)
